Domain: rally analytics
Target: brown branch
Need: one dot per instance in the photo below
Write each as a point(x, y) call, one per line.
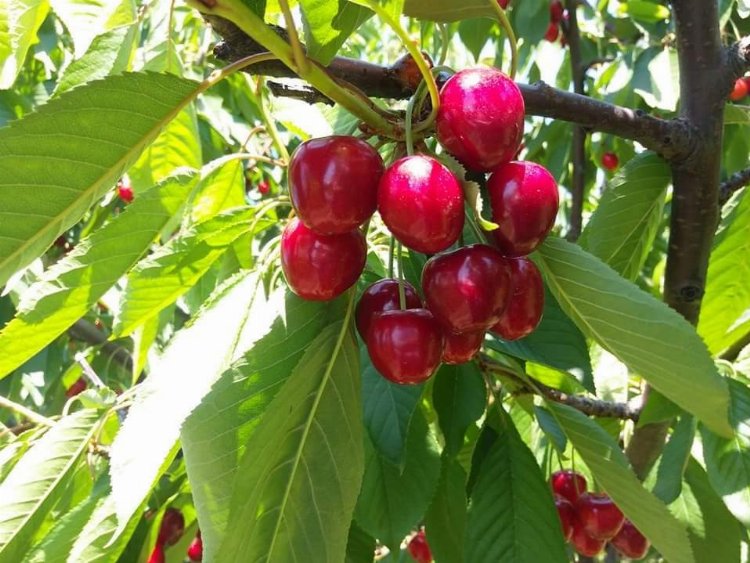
point(737, 58)
point(734, 183)
point(85, 331)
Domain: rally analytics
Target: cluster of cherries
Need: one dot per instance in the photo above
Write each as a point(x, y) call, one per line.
point(556, 15)
point(337, 183)
point(590, 520)
point(170, 531)
point(741, 89)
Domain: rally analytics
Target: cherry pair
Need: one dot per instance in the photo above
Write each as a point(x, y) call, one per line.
point(170, 531)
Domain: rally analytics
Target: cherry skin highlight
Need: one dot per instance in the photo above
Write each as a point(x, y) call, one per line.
point(405, 346)
point(333, 182)
point(380, 297)
point(630, 542)
point(599, 515)
point(195, 549)
point(526, 302)
point(422, 203)
point(583, 543)
point(610, 161)
point(460, 348)
point(419, 549)
point(567, 515)
point(568, 484)
point(524, 201)
point(739, 91)
point(480, 120)
point(321, 267)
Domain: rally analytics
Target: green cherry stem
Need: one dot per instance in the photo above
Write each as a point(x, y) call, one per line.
point(391, 253)
point(299, 54)
point(511, 36)
point(401, 292)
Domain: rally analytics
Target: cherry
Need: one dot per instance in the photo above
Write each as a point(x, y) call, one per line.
point(524, 201)
point(583, 543)
point(552, 33)
point(78, 387)
point(380, 297)
point(567, 515)
point(157, 555)
point(480, 120)
point(503, 4)
point(125, 191)
point(599, 515)
point(263, 187)
point(405, 346)
point(333, 182)
point(526, 301)
point(556, 11)
point(172, 527)
point(739, 91)
point(460, 348)
point(419, 549)
point(195, 549)
point(320, 267)
point(630, 542)
point(610, 161)
point(422, 203)
point(568, 484)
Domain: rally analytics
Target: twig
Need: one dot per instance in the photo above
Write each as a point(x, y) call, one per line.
point(86, 332)
point(734, 183)
point(27, 413)
point(89, 372)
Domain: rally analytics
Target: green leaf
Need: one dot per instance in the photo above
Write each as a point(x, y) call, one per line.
point(447, 10)
point(673, 460)
point(728, 460)
point(621, 231)
point(91, 133)
point(19, 22)
point(298, 481)
point(73, 285)
point(511, 516)
point(474, 33)
point(612, 472)
point(222, 187)
point(388, 408)
point(328, 24)
point(193, 360)
point(727, 295)
point(391, 501)
point(85, 19)
point(656, 78)
point(445, 521)
point(213, 445)
point(646, 335)
point(39, 479)
point(648, 12)
point(736, 115)
point(459, 396)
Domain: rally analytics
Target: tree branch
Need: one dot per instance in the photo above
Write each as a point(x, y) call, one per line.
point(86, 332)
point(734, 183)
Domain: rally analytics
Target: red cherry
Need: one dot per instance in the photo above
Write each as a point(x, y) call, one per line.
point(460, 348)
point(739, 91)
point(195, 549)
point(503, 4)
point(630, 542)
point(467, 289)
point(568, 484)
point(422, 203)
point(526, 301)
point(552, 33)
point(263, 187)
point(567, 515)
point(524, 201)
point(405, 346)
point(556, 10)
point(419, 549)
point(320, 267)
point(172, 527)
point(480, 120)
point(333, 182)
point(77, 387)
point(380, 297)
point(599, 515)
point(583, 543)
point(610, 161)
point(125, 191)
point(157, 555)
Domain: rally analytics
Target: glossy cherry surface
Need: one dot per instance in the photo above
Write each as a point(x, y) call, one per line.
point(333, 182)
point(610, 161)
point(172, 527)
point(740, 90)
point(480, 120)
point(568, 484)
point(321, 267)
point(195, 549)
point(524, 201)
point(460, 348)
point(157, 555)
point(567, 514)
point(526, 301)
point(380, 297)
point(422, 203)
point(419, 549)
point(405, 346)
point(583, 543)
point(599, 515)
point(630, 542)
point(467, 289)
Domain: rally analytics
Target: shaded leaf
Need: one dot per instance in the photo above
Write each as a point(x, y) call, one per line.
point(459, 396)
point(445, 521)
point(328, 24)
point(673, 460)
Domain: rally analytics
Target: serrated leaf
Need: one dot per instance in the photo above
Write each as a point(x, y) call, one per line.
point(728, 460)
point(91, 133)
point(646, 335)
point(445, 521)
point(85, 19)
point(328, 24)
point(622, 229)
point(459, 396)
point(511, 515)
point(222, 187)
point(298, 481)
point(19, 22)
point(75, 283)
point(612, 472)
point(447, 10)
point(38, 481)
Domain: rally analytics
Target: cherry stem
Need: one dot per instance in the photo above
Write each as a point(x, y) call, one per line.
point(299, 54)
point(511, 36)
point(270, 124)
point(408, 132)
point(444, 42)
point(401, 292)
point(391, 252)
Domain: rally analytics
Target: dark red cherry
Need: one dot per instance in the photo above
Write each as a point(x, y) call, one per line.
point(157, 555)
point(526, 302)
point(556, 11)
point(567, 514)
point(195, 549)
point(422, 203)
point(333, 182)
point(405, 346)
point(480, 120)
point(78, 387)
point(419, 549)
point(460, 348)
point(610, 161)
point(599, 515)
point(172, 527)
point(467, 289)
point(524, 201)
point(630, 542)
point(553, 32)
point(568, 484)
point(125, 191)
point(380, 297)
point(320, 267)
point(583, 543)
point(263, 187)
